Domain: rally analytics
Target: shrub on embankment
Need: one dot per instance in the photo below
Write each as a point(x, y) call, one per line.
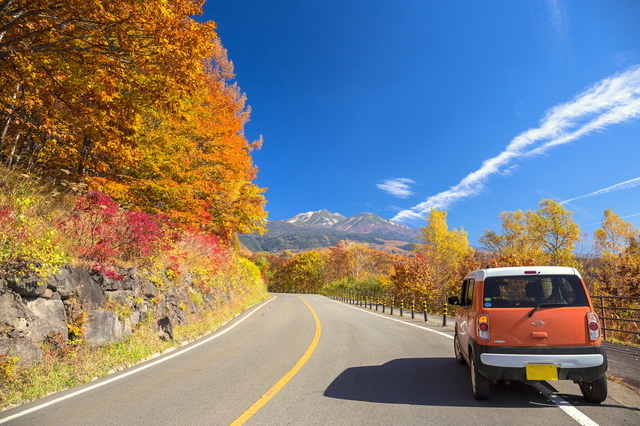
point(87, 286)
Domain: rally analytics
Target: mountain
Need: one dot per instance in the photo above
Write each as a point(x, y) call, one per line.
point(319, 218)
point(312, 230)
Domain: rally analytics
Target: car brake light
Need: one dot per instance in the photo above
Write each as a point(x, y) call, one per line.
point(593, 326)
point(483, 327)
point(530, 272)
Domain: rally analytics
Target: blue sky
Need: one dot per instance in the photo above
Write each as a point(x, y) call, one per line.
point(473, 107)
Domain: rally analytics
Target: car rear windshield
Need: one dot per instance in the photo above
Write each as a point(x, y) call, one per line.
point(530, 291)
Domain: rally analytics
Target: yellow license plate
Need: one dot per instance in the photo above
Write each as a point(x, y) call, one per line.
point(542, 372)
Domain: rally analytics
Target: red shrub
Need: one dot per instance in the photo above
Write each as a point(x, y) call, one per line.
point(102, 231)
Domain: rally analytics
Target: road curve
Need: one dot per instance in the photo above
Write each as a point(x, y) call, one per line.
point(364, 369)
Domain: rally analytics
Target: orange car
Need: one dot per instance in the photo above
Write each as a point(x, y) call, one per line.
point(529, 323)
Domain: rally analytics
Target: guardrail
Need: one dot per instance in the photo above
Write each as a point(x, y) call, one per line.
point(417, 305)
point(620, 317)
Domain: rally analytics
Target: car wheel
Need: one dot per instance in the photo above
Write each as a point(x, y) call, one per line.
point(479, 383)
point(457, 350)
point(595, 391)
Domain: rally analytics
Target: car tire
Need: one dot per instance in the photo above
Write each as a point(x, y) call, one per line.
point(479, 383)
point(457, 350)
point(595, 391)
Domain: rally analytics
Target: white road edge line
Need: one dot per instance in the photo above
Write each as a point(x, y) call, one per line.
point(177, 352)
point(392, 319)
point(569, 409)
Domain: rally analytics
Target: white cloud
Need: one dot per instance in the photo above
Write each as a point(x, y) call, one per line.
point(398, 187)
point(613, 100)
point(559, 26)
point(618, 186)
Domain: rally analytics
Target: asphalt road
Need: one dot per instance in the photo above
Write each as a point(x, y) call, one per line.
point(309, 360)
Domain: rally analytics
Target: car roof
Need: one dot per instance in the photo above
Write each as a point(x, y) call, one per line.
point(481, 274)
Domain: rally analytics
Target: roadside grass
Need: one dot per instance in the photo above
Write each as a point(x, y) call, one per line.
point(621, 342)
point(82, 363)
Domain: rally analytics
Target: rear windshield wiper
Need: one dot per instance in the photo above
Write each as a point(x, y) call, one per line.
point(545, 305)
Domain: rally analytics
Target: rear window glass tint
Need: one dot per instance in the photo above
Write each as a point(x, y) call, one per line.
point(529, 291)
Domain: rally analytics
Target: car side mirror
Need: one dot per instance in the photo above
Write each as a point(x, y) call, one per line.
point(454, 300)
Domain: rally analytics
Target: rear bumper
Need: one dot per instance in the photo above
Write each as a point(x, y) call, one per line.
point(583, 363)
point(560, 361)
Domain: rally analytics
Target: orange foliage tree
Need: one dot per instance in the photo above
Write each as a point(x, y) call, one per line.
point(133, 99)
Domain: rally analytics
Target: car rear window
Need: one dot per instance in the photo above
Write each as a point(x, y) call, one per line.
point(529, 291)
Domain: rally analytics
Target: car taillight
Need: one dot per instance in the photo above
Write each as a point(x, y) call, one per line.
point(483, 327)
point(593, 326)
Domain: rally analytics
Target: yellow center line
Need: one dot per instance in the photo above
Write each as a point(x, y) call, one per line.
point(285, 379)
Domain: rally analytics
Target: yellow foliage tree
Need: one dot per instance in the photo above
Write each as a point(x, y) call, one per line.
point(553, 227)
point(546, 236)
point(514, 247)
point(445, 251)
point(617, 243)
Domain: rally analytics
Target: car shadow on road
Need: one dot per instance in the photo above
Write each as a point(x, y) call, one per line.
point(426, 381)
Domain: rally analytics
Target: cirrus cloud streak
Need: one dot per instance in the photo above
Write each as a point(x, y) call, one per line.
point(613, 100)
point(618, 186)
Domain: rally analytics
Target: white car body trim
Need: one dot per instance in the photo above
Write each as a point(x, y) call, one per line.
point(525, 271)
point(561, 361)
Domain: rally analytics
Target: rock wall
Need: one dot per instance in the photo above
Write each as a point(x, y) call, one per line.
point(32, 312)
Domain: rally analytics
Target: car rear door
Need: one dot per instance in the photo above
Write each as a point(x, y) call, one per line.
point(538, 310)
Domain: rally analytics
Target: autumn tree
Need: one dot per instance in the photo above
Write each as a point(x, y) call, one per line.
point(413, 274)
point(349, 260)
point(301, 273)
point(546, 236)
point(76, 74)
point(614, 235)
point(359, 261)
point(445, 251)
point(617, 243)
point(552, 226)
point(630, 269)
point(355, 266)
point(514, 246)
point(134, 99)
point(196, 165)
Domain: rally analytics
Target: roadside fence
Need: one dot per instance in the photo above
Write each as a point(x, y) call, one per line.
point(620, 317)
point(428, 308)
